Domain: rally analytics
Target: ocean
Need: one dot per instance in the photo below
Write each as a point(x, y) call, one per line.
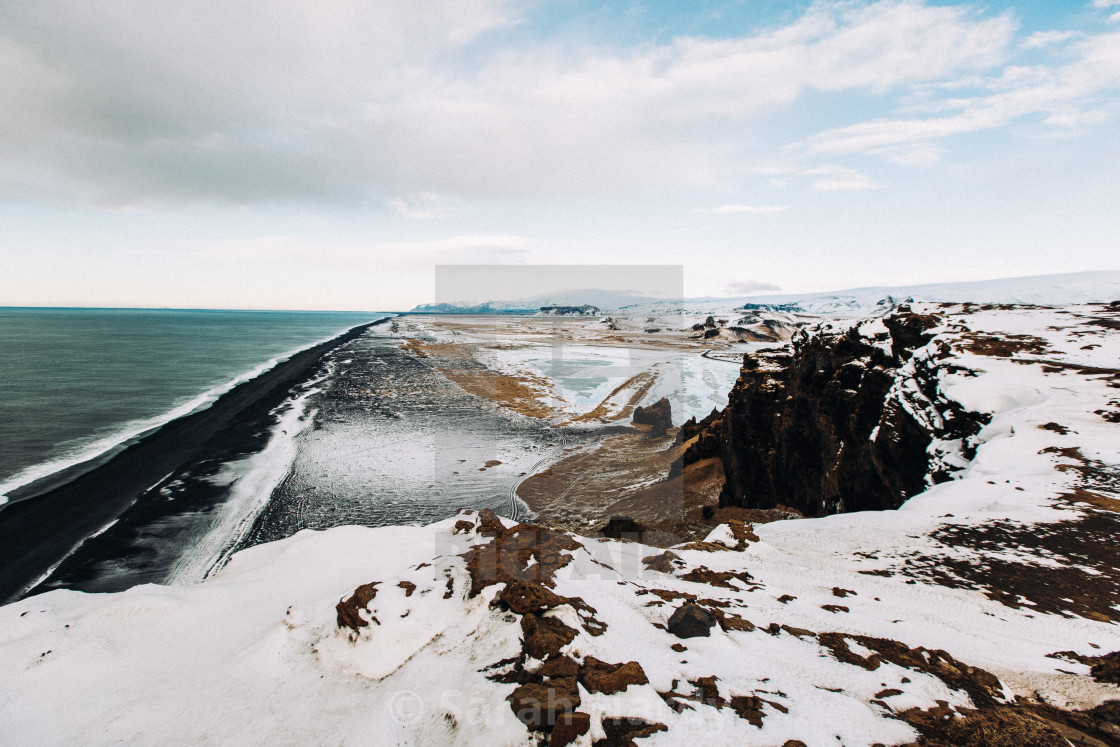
point(79, 383)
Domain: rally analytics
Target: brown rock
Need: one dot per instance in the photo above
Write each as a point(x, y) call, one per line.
point(623, 527)
point(525, 551)
point(662, 563)
point(540, 706)
point(569, 727)
point(691, 620)
point(524, 597)
point(462, 525)
point(544, 636)
point(749, 708)
point(559, 667)
point(348, 610)
point(621, 732)
point(489, 525)
point(600, 677)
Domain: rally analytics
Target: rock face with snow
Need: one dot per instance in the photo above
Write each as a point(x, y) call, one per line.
point(844, 422)
point(582, 310)
point(986, 608)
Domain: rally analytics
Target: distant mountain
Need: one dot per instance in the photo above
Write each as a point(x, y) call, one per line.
point(597, 298)
point(1045, 290)
point(484, 308)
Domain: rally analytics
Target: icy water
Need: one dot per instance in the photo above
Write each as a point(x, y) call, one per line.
point(75, 383)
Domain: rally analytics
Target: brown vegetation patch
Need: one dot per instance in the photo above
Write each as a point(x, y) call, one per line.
point(982, 687)
point(1004, 726)
point(1004, 346)
point(703, 575)
point(706, 692)
point(1104, 668)
point(1085, 582)
point(507, 391)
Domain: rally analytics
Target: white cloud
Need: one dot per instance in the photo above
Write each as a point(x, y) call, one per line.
point(1105, 3)
point(422, 206)
point(1041, 39)
point(853, 183)
point(746, 287)
point(394, 255)
point(118, 103)
point(839, 179)
point(744, 209)
point(1068, 94)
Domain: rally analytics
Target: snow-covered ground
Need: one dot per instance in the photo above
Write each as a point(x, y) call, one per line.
point(1047, 290)
point(255, 654)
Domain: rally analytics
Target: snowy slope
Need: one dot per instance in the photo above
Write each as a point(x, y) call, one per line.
point(1068, 288)
point(830, 627)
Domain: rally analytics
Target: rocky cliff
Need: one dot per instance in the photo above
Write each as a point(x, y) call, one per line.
point(849, 418)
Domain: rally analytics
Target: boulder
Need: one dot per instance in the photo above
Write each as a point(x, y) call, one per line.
point(545, 636)
point(569, 727)
point(663, 562)
point(601, 677)
point(541, 706)
point(690, 621)
point(524, 597)
point(623, 527)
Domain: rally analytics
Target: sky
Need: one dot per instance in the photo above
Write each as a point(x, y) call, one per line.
point(280, 154)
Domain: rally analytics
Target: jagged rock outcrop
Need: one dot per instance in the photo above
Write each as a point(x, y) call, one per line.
point(844, 422)
point(659, 416)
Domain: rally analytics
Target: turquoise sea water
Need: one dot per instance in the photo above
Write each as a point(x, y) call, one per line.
point(76, 382)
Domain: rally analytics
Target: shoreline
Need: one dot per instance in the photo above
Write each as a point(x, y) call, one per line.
point(38, 533)
point(33, 480)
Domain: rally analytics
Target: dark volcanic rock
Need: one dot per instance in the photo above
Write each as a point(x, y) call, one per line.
point(349, 610)
point(822, 431)
point(541, 706)
point(601, 677)
point(623, 527)
point(690, 621)
point(659, 416)
point(621, 732)
point(524, 597)
point(569, 727)
point(544, 636)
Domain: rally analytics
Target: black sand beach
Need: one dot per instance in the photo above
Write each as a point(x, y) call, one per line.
point(38, 532)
